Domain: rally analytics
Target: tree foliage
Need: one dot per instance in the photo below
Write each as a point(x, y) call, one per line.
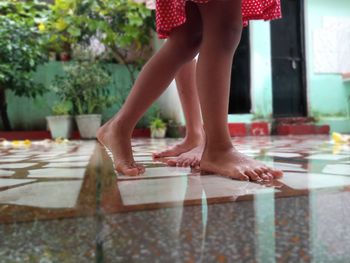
point(21, 45)
point(119, 24)
point(84, 84)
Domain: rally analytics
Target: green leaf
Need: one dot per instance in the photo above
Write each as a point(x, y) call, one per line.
point(74, 31)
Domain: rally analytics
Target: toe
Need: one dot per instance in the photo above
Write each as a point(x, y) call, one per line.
point(160, 154)
point(252, 175)
point(171, 162)
point(265, 176)
point(270, 176)
point(275, 173)
point(194, 163)
point(167, 153)
point(187, 162)
point(127, 170)
point(242, 176)
point(258, 171)
point(180, 162)
point(264, 168)
point(141, 168)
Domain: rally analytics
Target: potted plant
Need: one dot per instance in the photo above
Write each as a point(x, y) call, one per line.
point(158, 128)
point(174, 129)
point(85, 83)
point(61, 123)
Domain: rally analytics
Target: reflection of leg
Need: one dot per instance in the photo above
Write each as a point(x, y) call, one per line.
point(222, 26)
point(186, 86)
point(193, 224)
point(156, 75)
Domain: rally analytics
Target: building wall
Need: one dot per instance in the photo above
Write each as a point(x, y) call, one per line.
point(328, 95)
point(261, 69)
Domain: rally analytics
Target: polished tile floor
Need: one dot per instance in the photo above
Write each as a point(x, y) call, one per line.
point(62, 202)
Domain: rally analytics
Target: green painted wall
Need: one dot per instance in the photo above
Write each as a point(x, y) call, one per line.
point(261, 70)
point(261, 81)
point(29, 114)
point(328, 94)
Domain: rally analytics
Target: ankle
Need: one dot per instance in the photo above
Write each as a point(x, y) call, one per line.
point(195, 135)
point(121, 127)
point(218, 147)
point(194, 139)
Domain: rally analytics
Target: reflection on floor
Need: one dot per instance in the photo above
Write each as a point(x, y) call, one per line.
point(64, 203)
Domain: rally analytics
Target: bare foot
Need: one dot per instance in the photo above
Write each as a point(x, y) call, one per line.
point(185, 146)
point(119, 143)
point(235, 165)
point(190, 158)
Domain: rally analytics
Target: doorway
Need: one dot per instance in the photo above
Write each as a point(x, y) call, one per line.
point(288, 61)
point(240, 97)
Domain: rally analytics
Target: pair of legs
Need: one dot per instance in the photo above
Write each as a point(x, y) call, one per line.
point(213, 30)
point(189, 151)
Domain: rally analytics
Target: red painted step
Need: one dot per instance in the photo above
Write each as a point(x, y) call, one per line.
point(237, 129)
point(260, 129)
point(301, 129)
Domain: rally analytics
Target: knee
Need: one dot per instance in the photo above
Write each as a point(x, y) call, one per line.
point(188, 46)
point(228, 36)
point(191, 47)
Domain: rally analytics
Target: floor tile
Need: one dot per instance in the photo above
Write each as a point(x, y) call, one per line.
point(66, 159)
point(327, 157)
point(285, 166)
point(6, 173)
point(66, 164)
point(15, 165)
point(179, 189)
point(341, 169)
point(11, 159)
point(57, 173)
point(283, 154)
point(160, 172)
point(304, 181)
point(12, 182)
point(61, 194)
point(143, 158)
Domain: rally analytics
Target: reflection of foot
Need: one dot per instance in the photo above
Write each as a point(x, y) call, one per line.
point(190, 158)
point(233, 164)
point(183, 147)
point(119, 143)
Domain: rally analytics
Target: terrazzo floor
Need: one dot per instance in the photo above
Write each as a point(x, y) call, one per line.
point(63, 203)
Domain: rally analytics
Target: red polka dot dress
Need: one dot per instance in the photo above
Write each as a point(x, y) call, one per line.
point(171, 13)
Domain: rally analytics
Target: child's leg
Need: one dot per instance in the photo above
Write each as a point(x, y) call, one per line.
point(155, 76)
point(222, 26)
point(188, 93)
